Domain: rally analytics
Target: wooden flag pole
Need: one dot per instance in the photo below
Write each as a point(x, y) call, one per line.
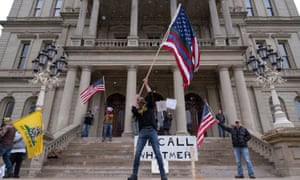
point(157, 53)
point(194, 176)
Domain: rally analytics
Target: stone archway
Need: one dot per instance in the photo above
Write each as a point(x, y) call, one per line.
point(194, 106)
point(117, 102)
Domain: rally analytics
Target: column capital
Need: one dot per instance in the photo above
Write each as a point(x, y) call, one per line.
point(86, 68)
point(224, 67)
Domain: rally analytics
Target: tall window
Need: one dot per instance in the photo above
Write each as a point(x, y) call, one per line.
point(8, 107)
point(23, 55)
point(29, 106)
point(38, 7)
point(57, 8)
point(269, 8)
point(284, 54)
point(249, 7)
point(297, 105)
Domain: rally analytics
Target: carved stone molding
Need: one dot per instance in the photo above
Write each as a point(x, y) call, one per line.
point(27, 36)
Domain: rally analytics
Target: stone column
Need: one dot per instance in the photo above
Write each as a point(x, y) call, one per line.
point(180, 114)
point(81, 18)
point(219, 38)
point(133, 36)
point(67, 6)
point(212, 97)
point(173, 7)
point(81, 108)
point(227, 94)
point(246, 112)
point(130, 99)
point(94, 19)
point(227, 18)
point(66, 101)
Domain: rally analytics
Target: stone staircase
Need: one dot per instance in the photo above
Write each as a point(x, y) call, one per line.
point(89, 157)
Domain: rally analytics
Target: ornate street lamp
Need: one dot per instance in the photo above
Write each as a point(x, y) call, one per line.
point(46, 71)
point(268, 77)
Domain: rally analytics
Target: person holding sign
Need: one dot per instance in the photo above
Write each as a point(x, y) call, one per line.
point(144, 113)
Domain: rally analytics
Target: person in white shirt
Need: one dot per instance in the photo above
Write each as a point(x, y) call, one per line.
point(17, 154)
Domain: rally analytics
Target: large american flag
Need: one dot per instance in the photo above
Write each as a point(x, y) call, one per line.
point(182, 42)
point(207, 121)
point(97, 86)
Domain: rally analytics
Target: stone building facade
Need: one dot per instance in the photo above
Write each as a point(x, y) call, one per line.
point(118, 39)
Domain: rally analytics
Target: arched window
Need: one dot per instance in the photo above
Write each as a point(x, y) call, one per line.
point(282, 105)
point(297, 105)
point(7, 107)
point(29, 106)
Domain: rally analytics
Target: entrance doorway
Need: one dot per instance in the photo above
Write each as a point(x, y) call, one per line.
point(117, 102)
point(194, 106)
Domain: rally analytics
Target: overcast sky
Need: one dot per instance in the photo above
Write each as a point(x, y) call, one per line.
point(6, 4)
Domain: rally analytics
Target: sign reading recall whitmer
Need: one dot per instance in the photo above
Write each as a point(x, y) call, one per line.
point(173, 148)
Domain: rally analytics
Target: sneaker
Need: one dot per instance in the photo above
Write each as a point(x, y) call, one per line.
point(132, 177)
point(164, 177)
point(252, 177)
point(238, 177)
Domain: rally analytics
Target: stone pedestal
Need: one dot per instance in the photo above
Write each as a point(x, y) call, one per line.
point(285, 144)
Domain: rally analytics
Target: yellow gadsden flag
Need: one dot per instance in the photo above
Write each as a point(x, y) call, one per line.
point(31, 129)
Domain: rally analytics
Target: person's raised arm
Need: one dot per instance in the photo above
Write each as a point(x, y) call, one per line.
point(147, 85)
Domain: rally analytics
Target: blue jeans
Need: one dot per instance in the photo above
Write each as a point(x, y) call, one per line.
point(151, 135)
point(221, 131)
point(107, 128)
point(85, 130)
point(238, 153)
point(5, 152)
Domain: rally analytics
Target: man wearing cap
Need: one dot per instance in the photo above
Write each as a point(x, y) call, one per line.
point(240, 136)
point(144, 113)
point(108, 120)
point(7, 133)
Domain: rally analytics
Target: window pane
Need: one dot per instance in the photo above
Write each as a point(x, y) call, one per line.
point(284, 55)
point(57, 8)
point(38, 7)
point(269, 8)
point(9, 109)
point(297, 104)
point(23, 55)
point(249, 7)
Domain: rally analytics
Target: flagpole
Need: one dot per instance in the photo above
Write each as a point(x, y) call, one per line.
point(157, 52)
point(214, 114)
point(105, 103)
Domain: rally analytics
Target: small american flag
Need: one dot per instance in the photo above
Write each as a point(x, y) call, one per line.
point(182, 42)
point(97, 86)
point(207, 121)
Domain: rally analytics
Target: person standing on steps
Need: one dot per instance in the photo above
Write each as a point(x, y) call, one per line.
point(108, 121)
point(221, 118)
point(88, 121)
point(240, 136)
point(144, 112)
point(17, 154)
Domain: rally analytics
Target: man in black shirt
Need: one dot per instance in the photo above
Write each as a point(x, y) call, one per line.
point(143, 111)
point(88, 121)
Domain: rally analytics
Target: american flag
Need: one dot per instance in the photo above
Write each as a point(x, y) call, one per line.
point(182, 42)
point(207, 121)
point(97, 86)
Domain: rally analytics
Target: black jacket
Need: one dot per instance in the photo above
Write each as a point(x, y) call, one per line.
point(239, 136)
point(146, 118)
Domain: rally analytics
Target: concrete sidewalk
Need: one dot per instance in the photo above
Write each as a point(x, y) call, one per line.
point(145, 178)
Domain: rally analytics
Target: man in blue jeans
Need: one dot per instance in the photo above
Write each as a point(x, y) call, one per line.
point(143, 111)
point(240, 136)
point(7, 133)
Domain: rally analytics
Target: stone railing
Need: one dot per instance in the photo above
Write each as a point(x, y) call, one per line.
point(260, 146)
point(146, 43)
point(60, 140)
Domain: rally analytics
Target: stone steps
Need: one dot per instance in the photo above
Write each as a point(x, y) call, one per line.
point(89, 157)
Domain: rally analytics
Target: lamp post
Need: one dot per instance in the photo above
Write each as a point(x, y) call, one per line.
point(269, 77)
point(46, 71)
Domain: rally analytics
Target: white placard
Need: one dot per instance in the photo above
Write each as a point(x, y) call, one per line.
point(161, 106)
point(172, 148)
point(155, 168)
point(171, 103)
